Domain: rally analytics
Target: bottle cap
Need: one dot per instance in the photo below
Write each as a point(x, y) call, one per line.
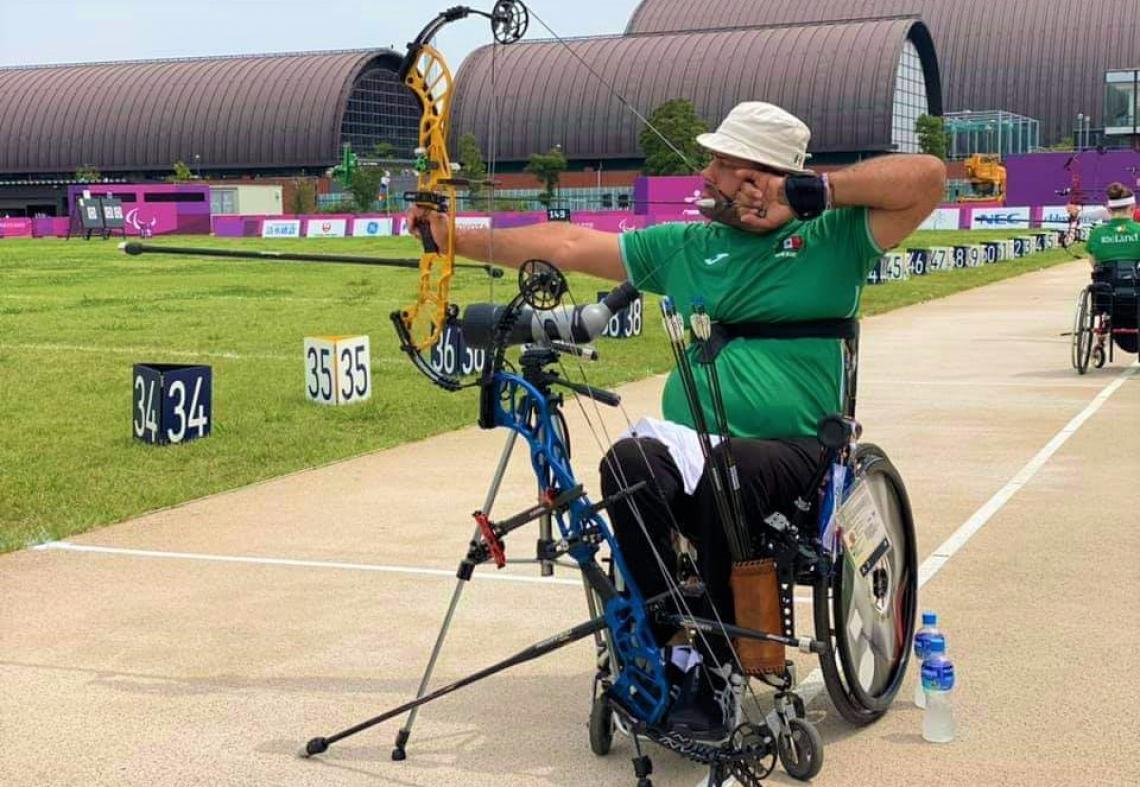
point(929, 618)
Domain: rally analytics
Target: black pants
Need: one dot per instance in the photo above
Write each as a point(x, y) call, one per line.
point(772, 474)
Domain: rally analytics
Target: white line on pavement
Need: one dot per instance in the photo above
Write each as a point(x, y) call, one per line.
point(982, 384)
point(66, 546)
point(812, 685)
point(272, 561)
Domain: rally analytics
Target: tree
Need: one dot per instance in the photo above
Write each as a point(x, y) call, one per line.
point(1065, 143)
point(88, 174)
point(547, 167)
point(678, 122)
point(383, 151)
point(182, 173)
point(932, 135)
point(304, 197)
point(365, 186)
point(473, 167)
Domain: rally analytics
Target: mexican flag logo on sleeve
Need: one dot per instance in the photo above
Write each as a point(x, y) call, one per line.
point(790, 246)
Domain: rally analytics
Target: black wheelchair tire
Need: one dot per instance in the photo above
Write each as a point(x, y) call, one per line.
point(840, 674)
point(1083, 331)
point(1098, 357)
point(804, 761)
point(601, 727)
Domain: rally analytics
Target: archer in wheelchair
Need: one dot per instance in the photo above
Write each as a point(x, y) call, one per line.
point(1107, 313)
point(757, 461)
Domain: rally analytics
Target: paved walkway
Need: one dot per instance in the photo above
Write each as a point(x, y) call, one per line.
point(204, 644)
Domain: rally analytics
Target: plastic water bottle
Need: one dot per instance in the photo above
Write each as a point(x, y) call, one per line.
point(938, 682)
point(922, 639)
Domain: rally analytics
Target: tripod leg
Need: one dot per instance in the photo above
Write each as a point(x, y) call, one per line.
point(319, 745)
point(399, 751)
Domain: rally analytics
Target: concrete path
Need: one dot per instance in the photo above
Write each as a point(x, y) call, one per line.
point(204, 644)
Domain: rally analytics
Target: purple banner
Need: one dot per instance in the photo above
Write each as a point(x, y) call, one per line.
point(1036, 179)
point(156, 208)
point(15, 228)
point(665, 196)
point(50, 227)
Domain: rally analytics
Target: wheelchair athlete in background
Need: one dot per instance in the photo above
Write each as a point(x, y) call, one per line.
point(1108, 311)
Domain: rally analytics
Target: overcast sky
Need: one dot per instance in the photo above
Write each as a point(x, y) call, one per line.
point(34, 32)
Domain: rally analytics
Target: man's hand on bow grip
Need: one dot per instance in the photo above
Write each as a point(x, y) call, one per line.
point(421, 219)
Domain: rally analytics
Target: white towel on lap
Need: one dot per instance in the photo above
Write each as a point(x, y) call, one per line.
point(683, 444)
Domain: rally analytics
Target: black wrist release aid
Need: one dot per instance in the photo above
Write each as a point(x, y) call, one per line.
point(807, 195)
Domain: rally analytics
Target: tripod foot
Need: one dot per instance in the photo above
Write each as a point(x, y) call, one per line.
point(314, 746)
point(399, 753)
point(642, 767)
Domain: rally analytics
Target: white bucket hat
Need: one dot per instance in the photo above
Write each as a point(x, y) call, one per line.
point(764, 133)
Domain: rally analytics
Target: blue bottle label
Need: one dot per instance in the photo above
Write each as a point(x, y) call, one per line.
point(937, 674)
point(927, 642)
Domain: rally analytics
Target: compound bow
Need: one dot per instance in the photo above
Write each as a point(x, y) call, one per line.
point(1079, 197)
point(425, 72)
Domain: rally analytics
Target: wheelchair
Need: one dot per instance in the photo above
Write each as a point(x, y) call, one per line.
point(1107, 315)
point(866, 613)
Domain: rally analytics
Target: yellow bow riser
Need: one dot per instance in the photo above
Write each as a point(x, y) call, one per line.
point(430, 80)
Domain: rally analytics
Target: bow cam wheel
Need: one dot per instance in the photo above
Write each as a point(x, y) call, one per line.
point(541, 285)
point(509, 21)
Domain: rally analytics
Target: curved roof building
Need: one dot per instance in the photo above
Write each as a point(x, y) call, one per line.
point(285, 112)
point(1041, 58)
point(859, 86)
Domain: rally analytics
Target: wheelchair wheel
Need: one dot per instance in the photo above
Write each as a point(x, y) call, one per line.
point(601, 727)
point(1098, 357)
point(869, 620)
point(1083, 331)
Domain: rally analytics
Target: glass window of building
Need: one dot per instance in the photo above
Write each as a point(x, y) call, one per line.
point(910, 100)
point(381, 110)
point(1120, 102)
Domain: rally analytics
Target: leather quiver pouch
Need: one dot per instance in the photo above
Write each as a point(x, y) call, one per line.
point(756, 596)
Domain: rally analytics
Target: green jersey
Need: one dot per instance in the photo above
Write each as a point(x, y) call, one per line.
point(813, 270)
point(1119, 239)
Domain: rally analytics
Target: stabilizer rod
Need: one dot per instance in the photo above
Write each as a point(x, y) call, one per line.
point(135, 248)
point(582, 630)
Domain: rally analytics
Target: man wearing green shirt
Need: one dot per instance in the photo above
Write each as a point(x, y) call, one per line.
point(783, 245)
point(1116, 241)
point(1119, 237)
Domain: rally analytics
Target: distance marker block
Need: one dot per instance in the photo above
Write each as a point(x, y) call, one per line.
point(337, 369)
point(171, 402)
point(627, 322)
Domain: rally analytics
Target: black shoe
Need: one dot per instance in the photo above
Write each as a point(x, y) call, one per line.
point(704, 705)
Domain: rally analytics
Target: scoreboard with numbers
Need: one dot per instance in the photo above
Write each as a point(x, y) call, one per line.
point(171, 403)
point(558, 214)
point(338, 369)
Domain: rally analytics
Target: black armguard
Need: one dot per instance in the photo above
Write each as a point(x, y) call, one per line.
point(807, 195)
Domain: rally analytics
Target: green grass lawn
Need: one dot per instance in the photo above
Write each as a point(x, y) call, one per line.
point(75, 316)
